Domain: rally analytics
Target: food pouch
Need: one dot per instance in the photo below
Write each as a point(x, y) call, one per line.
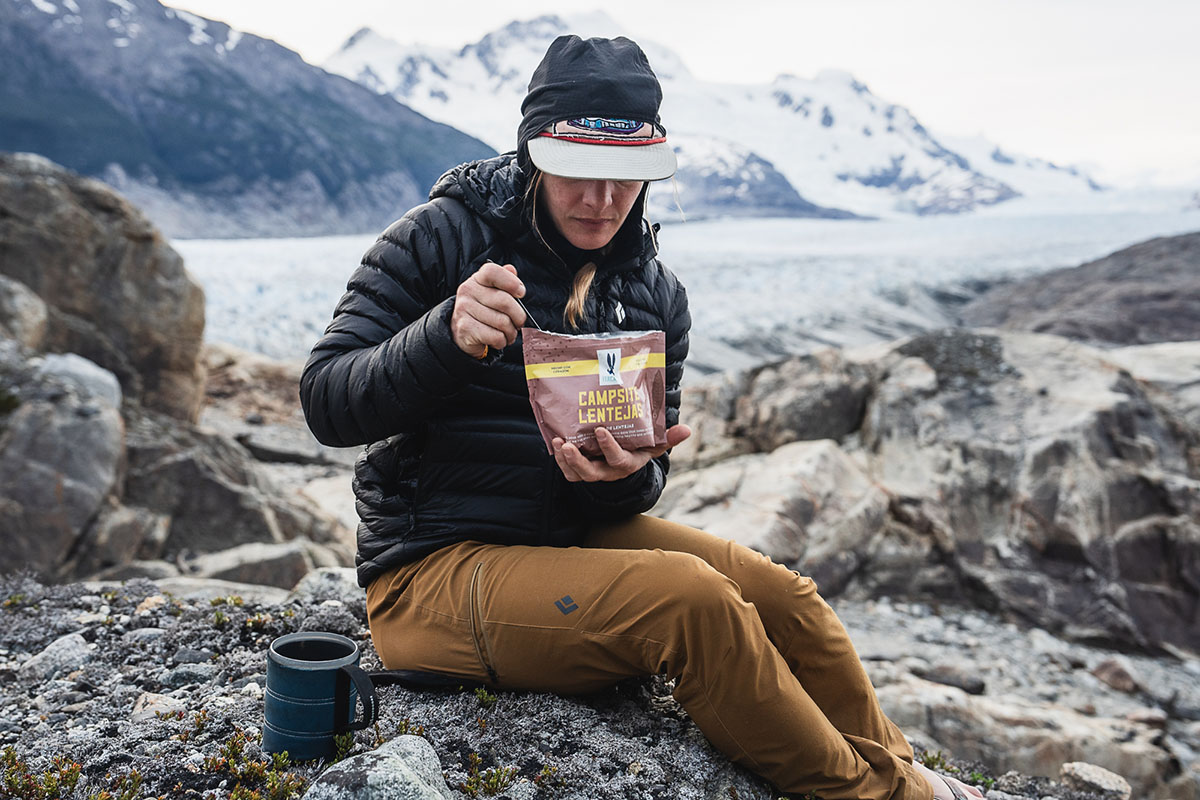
point(615, 381)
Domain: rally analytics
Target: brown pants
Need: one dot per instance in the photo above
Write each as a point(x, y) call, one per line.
point(761, 663)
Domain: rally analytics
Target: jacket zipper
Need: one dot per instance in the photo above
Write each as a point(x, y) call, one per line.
point(483, 648)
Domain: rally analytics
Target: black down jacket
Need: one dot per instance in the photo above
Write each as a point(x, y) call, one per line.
point(453, 450)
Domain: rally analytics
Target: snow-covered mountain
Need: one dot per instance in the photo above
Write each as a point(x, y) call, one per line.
point(211, 132)
point(838, 145)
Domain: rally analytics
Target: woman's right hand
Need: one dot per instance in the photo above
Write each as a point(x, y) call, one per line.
point(486, 312)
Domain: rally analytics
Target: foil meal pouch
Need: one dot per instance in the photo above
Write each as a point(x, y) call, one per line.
point(615, 381)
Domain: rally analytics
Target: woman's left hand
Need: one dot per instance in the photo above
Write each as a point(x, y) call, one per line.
point(617, 462)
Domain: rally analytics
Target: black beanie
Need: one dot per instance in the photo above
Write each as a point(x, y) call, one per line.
point(588, 77)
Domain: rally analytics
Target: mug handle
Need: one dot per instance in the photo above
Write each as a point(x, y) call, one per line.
point(366, 695)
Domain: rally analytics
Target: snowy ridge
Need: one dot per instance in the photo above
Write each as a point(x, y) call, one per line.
point(1029, 176)
point(127, 20)
point(835, 142)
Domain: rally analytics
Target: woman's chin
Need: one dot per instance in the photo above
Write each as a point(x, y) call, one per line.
point(590, 237)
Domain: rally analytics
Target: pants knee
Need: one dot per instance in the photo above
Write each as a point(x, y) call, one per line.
point(699, 608)
point(694, 586)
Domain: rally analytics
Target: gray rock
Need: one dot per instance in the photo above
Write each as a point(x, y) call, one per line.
point(334, 495)
point(61, 656)
point(92, 257)
point(708, 407)
point(1015, 466)
point(817, 396)
point(1091, 778)
point(90, 380)
point(334, 617)
point(192, 655)
point(213, 492)
point(406, 768)
point(953, 675)
point(184, 674)
point(281, 444)
point(61, 454)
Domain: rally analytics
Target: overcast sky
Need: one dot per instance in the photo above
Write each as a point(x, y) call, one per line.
point(1109, 84)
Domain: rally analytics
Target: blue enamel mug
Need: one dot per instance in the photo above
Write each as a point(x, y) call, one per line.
point(313, 685)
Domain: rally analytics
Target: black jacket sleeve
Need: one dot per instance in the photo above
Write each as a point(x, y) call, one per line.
point(637, 493)
point(388, 356)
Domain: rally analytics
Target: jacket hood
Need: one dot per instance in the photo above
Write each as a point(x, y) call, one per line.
point(493, 188)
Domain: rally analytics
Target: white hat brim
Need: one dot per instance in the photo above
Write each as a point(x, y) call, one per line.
point(645, 162)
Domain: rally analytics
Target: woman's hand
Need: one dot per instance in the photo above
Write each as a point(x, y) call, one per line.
point(486, 312)
point(617, 462)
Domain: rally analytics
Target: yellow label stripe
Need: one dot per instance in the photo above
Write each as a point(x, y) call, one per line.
point(570, 369)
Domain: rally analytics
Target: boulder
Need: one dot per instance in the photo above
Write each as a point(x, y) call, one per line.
point(115, 291)
point(61, 656)
point(102, 472)
point(213, 492)
point(815, 396)
point(1046, 477)
point(821, 395)
point(61, 456)
point(708, 407)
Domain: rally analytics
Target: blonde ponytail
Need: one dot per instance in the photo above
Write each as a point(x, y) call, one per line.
point(579, 292)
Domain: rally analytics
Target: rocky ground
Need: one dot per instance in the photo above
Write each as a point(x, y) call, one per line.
point(156, 691)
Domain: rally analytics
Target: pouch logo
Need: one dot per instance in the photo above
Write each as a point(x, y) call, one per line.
point(610, 367)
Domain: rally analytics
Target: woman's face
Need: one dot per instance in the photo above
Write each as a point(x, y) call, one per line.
point(588, 213)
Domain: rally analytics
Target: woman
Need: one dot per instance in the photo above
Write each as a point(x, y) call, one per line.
point(484, 558)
